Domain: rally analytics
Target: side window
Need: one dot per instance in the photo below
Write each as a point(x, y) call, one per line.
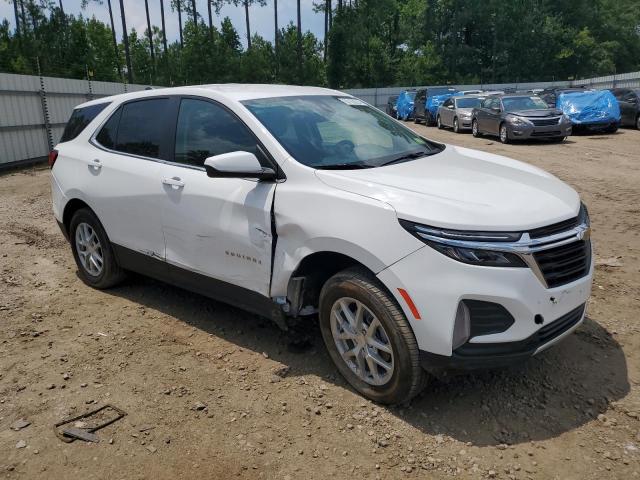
point(205, 129)
point(80, 118)
point(629, 97)
point(109, 131)
point(142, 127)
point(619, 94)
point(448, 103)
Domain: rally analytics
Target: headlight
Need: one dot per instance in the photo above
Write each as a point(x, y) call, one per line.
point(448, 242)
point(515, 120)
point(464, 115)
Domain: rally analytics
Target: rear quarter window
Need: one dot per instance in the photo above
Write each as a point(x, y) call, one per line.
point(80, 118)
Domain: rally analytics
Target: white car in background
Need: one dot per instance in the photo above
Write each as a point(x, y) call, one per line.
point(296, 201)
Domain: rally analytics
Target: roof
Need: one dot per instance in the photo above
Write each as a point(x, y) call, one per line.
point(231, 91)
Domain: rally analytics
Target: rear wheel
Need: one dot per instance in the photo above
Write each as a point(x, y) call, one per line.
point(92, 251)
point(456, 126)
point(369, 338)
point(474, 128)
point(504, 133)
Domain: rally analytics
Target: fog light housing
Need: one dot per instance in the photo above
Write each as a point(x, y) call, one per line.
point(462, 326)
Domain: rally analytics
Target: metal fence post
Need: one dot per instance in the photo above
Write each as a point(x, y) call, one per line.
point(45, 108)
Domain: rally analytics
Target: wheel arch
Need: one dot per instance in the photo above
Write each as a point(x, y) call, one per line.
point(310, 275)
point(71, 207)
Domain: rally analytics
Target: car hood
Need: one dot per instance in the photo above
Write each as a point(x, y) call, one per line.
point(461, 188)
point(548, 112)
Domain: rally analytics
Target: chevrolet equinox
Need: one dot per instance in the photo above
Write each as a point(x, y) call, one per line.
point(302, 201)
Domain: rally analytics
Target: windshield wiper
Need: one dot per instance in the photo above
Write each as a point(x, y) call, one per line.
point(343, 166)
point(408, 156)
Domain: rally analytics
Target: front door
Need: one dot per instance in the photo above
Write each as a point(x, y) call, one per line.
point(216, 227)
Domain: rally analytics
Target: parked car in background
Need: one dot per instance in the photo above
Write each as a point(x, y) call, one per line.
point(427, 113)
point(456, 112)
point(306, 202)
point(590, 110)
point(519, 117)
point(391, 105)
point(629, 102)
point(550, 94)
point(405, 105)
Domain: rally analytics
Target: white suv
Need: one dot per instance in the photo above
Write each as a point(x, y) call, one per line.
point(295, 201)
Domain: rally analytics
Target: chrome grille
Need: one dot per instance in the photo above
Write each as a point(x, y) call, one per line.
point(564, 264)
point(545, 122)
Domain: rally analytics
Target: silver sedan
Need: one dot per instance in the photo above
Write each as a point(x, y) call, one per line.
point(455, 112)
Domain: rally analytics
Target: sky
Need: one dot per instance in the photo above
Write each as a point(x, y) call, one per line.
point(261, 18)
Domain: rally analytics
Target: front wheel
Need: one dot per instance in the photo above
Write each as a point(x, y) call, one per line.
point(504, 133)
point(92, 251)
point(456, 125)
point(439, 122)
point(369, 338)
point(474, 128)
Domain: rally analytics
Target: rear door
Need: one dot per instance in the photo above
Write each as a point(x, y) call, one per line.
point(217, 228)
point(122, 176)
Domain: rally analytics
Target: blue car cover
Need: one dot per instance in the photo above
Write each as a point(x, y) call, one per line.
point(589, 107)
point(434, 102)
point(404, 104)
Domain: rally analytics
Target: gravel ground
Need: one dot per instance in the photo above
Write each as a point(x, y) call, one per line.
point(213, 392)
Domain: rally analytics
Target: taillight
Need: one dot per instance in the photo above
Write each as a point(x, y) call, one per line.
point(53, 156)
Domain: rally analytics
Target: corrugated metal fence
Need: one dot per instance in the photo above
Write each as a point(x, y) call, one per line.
point(33, 110)
point(379, 96)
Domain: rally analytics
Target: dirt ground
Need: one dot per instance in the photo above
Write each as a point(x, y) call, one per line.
point(212, 392)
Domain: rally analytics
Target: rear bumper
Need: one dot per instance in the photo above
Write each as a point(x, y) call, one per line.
point(472, 356)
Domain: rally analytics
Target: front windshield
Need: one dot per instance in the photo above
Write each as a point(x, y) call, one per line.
point(323, 131)
point(513, 104)
point(468, 102)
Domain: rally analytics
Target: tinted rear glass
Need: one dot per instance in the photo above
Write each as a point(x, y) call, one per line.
point(109, 132)
point(80, 118)
point(142, 127)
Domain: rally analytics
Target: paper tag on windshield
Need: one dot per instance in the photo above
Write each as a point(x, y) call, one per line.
point(352, 101)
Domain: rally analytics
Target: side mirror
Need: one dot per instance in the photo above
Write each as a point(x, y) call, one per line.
point(450, 107)
point(237, 165)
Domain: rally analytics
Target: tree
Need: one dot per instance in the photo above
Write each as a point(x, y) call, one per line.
point(115, 40)
point(246, 4)
point(149, 31)
point(164, 30)
point(125, 39)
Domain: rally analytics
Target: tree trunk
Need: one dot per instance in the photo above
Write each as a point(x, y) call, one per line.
point(299, 43)
point(150, 33)
point(164, 30)
point(23, 18)
point(61, 8)
point(115, 40)
point(195, 12)
point(246, 14)
point(180, 22)
point(210, 19)
point(275, 20)
point(15, 12)
point(326, 26)
point(125, 39)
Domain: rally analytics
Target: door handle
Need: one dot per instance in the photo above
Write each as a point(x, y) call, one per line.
point(173, 182)
point(97, 164)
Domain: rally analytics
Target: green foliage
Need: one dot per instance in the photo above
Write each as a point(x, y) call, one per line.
point(370, 43)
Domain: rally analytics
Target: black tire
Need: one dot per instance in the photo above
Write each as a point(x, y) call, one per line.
point(408, 378)
point(456, 125)
point(111, 273)
point(503, 133)
point(611, 129)
point(439, 122)
point(416, 119)
point(558, 139)
point(638, 122)
point(474, 128)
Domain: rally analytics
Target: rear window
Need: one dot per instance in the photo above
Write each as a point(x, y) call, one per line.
point(80, 118)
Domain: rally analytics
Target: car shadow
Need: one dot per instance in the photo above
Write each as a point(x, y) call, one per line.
point(555, 392)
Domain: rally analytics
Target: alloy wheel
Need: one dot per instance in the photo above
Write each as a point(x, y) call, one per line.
point(456, 127)
point(362, 341)
point(504, 136)
point(474, 128)
point(89, 249)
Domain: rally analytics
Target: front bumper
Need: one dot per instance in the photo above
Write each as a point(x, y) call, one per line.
point(437, 284)
point(471, 356)
point(464, 123)
point(530, 131)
